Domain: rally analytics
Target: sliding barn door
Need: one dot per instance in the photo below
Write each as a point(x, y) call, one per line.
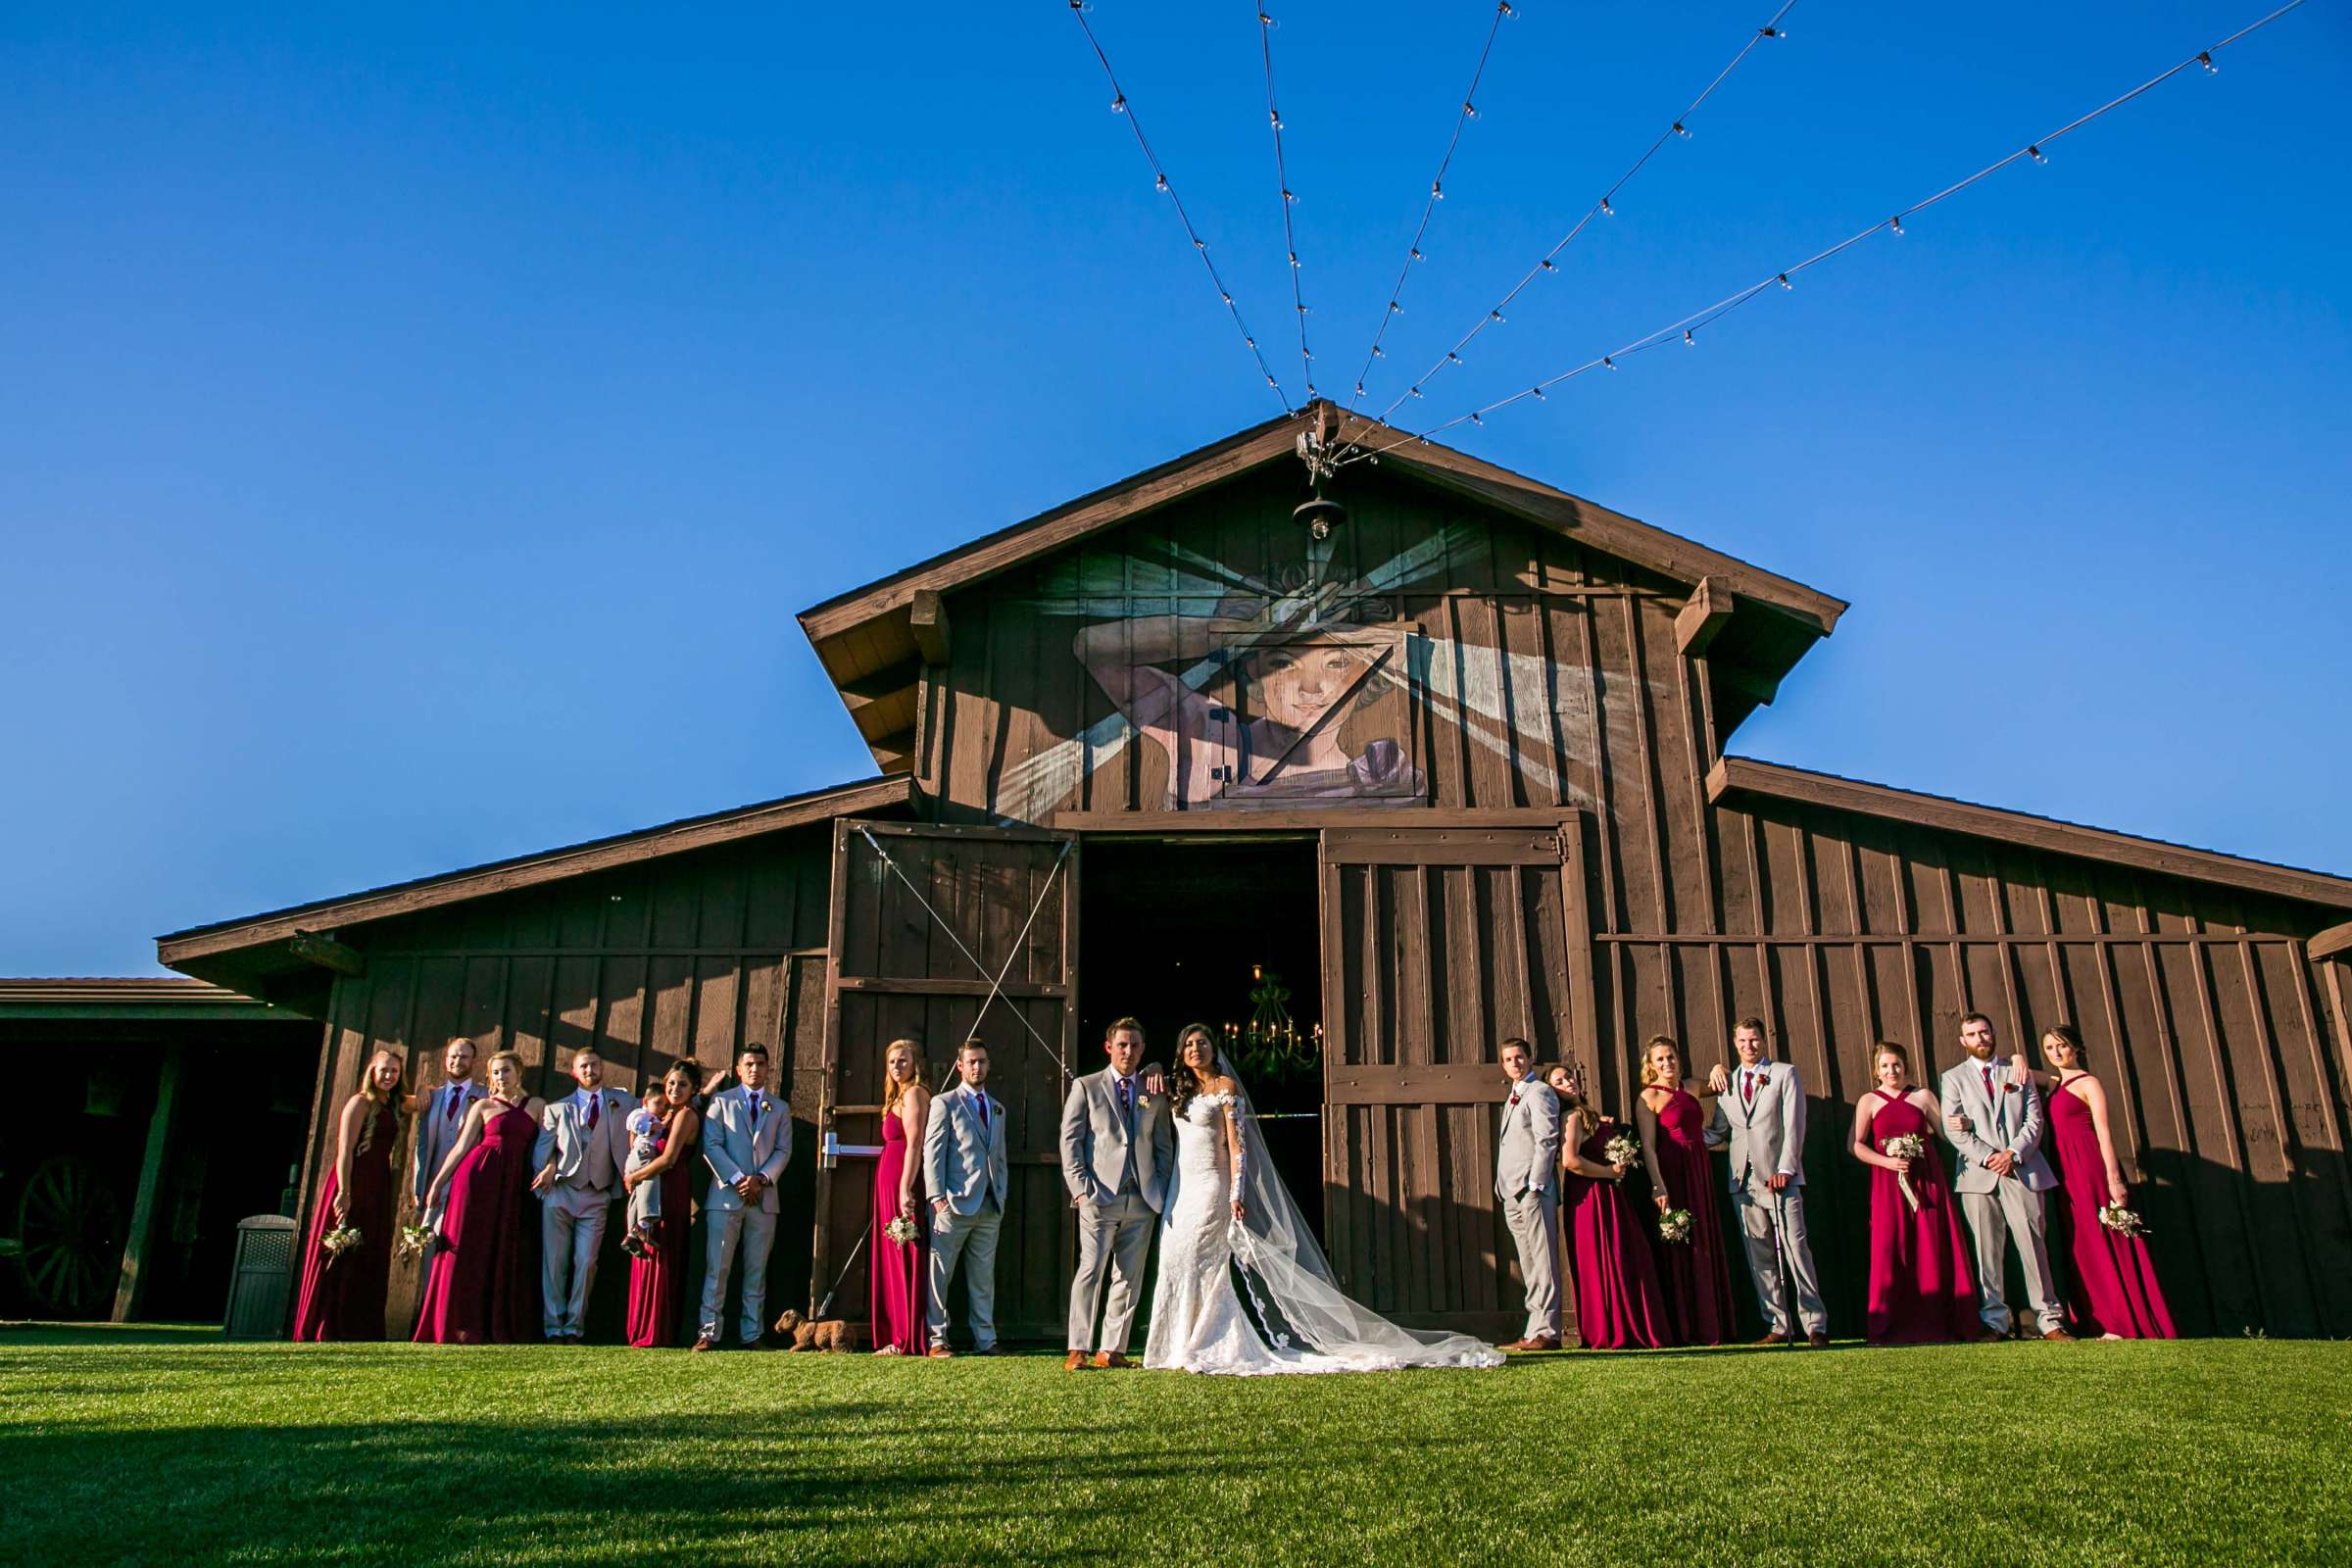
point(1439, 944)
point(924, 922)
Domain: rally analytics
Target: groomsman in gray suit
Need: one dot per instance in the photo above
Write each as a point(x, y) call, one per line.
point(968, 1177)
point(440, 1117)
point(1527, 1165)
point(747, 1142)
point(1117, 1145)
point(583, 1146)
point(1996, 1127)
point(1760, 1112)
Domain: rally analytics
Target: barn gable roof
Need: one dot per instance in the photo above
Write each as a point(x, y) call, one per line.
point(1745, 775)
point(874, 641)
point(248, 952)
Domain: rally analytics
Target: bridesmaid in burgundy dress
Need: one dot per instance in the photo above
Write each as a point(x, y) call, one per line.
point(2112, 1287)
point(1619, 1305)
point(1923, 1289)
point(902, 1278)
point(343, 1293)
point(1674, 1145)
point(658, 1278)
point(484, 1288)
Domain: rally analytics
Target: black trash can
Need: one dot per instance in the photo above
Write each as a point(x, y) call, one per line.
point(260, 1284)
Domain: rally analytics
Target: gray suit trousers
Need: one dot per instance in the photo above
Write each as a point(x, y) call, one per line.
point(1535, 1221)
point(1117, 1233)
point(755, 1232)
point(1991, 1217)
point(1780, 1255)
point(973, 1237)
point(572, 1232)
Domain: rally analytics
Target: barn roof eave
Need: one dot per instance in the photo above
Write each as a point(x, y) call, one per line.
point(866, 633)
point(230, 951)
point(1745, 775)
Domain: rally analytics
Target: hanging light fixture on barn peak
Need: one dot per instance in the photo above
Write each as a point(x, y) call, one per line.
point(1318, 512)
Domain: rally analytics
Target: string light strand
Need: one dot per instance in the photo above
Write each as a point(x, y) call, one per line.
point(1429, 204)
point(1160, 181)
point(1290, 199)
point(1688, 327)
point(1604, 207)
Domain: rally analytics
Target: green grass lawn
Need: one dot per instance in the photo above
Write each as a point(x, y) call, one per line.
point(172, 1447)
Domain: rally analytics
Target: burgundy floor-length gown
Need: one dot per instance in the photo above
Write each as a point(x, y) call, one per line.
point(343, 1296)
point(2112, 1287)
point(1619, 1303)
point(485, 1285)
point(657, 1280)
point(902, 1278)
point(1922, 1289)
point(1696, 1272)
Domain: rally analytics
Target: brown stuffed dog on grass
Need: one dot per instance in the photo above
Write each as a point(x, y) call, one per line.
point(833, 1334)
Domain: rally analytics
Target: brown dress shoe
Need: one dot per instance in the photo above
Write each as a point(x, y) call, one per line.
point(1544, 1342)
point(940, 1352)
point(1113, 1360)
point(706, 1343)
point(1776, 1336)
point(1819, 1342)
point(1077, 1362)
point(2061, 1336)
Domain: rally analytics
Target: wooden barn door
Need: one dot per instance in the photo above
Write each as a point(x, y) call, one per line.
point(1437, 944)
point(924, 922)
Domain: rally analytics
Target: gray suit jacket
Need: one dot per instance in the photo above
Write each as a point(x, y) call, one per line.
point(436, 1134)
point(1766, 1137)
point(2010, 1119)
point(962, 1161)
point(1527, 1149)
point(732, 1149)
point(599, 1156)
point(1095, 1143)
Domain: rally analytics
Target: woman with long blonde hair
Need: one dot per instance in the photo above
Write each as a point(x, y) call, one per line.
point(343, 1286)
point(902, 1270)
point(482, 1286)
point(1673, 1126)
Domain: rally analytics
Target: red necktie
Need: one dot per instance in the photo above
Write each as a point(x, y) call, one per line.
point(984, 1113)
point(592, 1105)
point(1988, 1080)
point(456, 1094)
point(1748, 1088)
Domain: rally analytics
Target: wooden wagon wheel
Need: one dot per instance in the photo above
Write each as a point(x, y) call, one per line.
point(70, 1235)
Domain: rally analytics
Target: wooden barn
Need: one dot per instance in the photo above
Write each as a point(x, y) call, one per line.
point(1370, 799)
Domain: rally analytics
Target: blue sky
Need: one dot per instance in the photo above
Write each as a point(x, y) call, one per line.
point(420, 424)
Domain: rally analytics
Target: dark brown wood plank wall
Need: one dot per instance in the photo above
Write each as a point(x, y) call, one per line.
point(681, 958)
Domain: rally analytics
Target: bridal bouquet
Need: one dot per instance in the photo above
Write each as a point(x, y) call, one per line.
point(1674, 1225)
point(342, 1239)
point(1908, 1146)
point(2120, 1220)
point(414, 1240)
point(1622, 1150)
point(901, 1230)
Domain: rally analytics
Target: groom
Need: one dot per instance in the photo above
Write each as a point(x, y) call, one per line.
point(1997, 1126)
point(1760, 1112)
point(1117, 1145)
point(1527, 1163)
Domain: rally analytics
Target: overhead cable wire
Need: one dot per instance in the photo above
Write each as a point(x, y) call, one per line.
point(1290, 199)
point(1436, 193)
point(1686, 329)
point(1160, 175)
point(1607, 205)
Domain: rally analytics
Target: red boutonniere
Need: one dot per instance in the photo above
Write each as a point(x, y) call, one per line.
point(1513, 1102)
point(2008, 1089)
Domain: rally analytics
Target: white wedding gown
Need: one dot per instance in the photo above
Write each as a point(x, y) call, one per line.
point(1198, 1320)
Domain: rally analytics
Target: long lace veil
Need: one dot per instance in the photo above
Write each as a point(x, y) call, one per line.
point(1292, 1288)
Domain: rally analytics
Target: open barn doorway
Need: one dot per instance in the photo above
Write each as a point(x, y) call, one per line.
point(1177, 931)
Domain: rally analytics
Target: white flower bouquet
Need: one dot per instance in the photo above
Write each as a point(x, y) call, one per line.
point(1674, 1225)
point(901, 1230)
point(342, 1239)
point(1622, 1150)
point(414, 1240)
point(2123, 1221)
point(1906, 1146)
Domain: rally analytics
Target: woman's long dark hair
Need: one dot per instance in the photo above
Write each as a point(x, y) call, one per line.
point(1183, 1082)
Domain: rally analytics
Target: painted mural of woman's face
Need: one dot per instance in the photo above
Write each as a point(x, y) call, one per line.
point(1296, 686)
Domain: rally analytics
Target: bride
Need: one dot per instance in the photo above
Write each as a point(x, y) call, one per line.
point(1228, 1213)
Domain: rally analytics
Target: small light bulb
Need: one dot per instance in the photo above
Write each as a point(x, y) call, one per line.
point(1247, 338)
point(1160, 184)
point(1469, 109)
point(1772, 32)
point(1302, 310)
point(1475, 419)
point(1289, 195)
point(2205, 59)
point(1896, 224)
point(1227, 298)
point(1606, 210)
point(1270, 381)
point(1360, 389)
point(1414, 391)
point(1199, 243)
point(1504, 6)
point(1452, 358)
point(1688, 341)
point(1395, 308)
point(1493, 315)
point(1785, 283)
point(1547, 265)
point(1681, 130)
point(1118, 105)
point(1265, 20)
point(1416, 254)
point(1379, 353)
point(1294, 257)
point(1274, 116)
point(1436, 190)
point(1607, 364)
point(1421, 440)
point(1536, 392)
point(2034, 153)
